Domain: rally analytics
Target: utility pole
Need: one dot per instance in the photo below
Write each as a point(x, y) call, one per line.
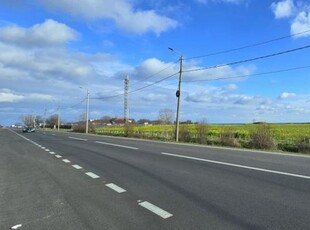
point(58, 119)
point(87, 112)
point(178, 95)
point(44, 119)
point(126, 109)
point(34, 121)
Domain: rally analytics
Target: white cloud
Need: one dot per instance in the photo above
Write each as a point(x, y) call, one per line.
point(223, 95)
point(48, 33)
point(224, 72)
point(286, 95)
point(283, 9)
point(155, 69)
point(7, 95)
point(224, 1)
point(40, 97)
point(230, 87)
point(122, 12)
point(52, 63)
point(154, 97)
point(151, 66)
point(301, 24)
point(299, 16)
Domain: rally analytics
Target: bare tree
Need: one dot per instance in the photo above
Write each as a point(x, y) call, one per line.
point(52, 121)
point(39, 120)
point(28, 120)
point(166, 116)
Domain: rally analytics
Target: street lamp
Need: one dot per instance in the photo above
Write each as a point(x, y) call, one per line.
point(178, 95)
point(87, 109)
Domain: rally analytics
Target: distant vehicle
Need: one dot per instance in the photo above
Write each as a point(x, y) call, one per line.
point(28, 130)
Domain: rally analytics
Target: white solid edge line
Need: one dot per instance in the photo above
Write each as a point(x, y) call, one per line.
point(76, 166)
point(76, 138)
point(115, 188)
point(66, 161)
point(122, 146)
point(58, 156)
point(153, 208)
point(92, 175)
point(238, 166)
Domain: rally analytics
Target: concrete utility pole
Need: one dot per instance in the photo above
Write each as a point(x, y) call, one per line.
point(58, 119)
point(44, 119)
point(126, 108)
point(87, 109)
point(178, 95)
point(87, 112)
point(34, 121)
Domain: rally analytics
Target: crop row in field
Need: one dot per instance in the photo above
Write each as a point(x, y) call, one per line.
point(286, 136)
point(281, 132)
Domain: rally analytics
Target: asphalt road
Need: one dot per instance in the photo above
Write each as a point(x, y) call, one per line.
point(51, 180)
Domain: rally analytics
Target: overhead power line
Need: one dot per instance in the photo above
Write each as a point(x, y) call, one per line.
point(138, 89)
point(251, 75)
point(154, 74)
point(247, 46)
point(248, 60)
point(71, 107)
point(63, 108)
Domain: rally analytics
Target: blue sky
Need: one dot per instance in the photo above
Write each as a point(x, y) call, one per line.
point(49, 49)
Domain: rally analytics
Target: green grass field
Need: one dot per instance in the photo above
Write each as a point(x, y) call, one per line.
point(287, 136)
point(281, 132)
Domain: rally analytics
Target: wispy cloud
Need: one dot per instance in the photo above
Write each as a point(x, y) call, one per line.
point(123, 13)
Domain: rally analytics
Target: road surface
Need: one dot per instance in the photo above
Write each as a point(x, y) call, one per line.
point(51, 180)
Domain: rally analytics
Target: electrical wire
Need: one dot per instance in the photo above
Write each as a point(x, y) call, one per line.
point(138, 89)
point(248, 60)
point(251, 75)
point(71, 107)
point(247, 46)
point(152, 75)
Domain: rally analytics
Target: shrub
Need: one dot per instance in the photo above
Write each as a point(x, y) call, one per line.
point(202, 133)
point(304, 146)
point(128, 130)
point(184, 133)
point(228, 138)
point(262, 138)
point(80, 126)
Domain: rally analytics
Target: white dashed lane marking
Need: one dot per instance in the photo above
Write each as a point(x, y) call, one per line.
point(66, 161)
point(92, 175)
point(52, 153)
point(122, 146)
point(16, 226)
point(58, 156)
point(76, 166)
point(153, 208)
point(76, 138)
point(115, 188)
